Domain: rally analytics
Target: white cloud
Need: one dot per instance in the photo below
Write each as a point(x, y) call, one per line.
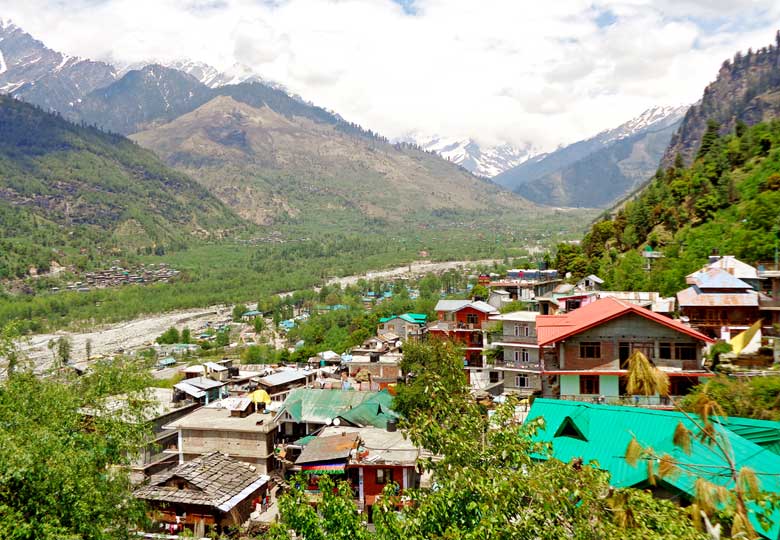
point(531, 70)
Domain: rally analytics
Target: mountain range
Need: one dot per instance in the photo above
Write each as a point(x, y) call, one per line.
point(486, 161)
point(270, 156)
point(598, 171)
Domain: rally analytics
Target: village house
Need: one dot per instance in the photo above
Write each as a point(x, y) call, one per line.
point(406, 326)
point(280, 383)
point(527, 284)
point(517, 364)
point(717, 303)
point(769, 303)
point(600, 434)
point(383, 369)
point(585, 352)
point(211, 490)
point(307, 410)
point(201, 389)
point(235, 426)
point(465, 323)
point(368, 458)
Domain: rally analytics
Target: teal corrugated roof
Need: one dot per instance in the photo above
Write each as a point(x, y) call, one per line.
point(765, 433)
point(609, 428)
point(414, 318)
point(319, 406)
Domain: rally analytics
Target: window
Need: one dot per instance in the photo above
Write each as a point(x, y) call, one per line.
point(685, 351)
point(527, 330)
point(494, 377)
point(517, 330)
point(590, 349)
point(384, 476)
point(524, 355)
point(521, 381)
point(472, 319)
point(517, 356)
point(589, 384)
point(665, 351)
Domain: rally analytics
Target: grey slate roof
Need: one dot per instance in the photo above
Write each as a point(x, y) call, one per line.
point(213, 479)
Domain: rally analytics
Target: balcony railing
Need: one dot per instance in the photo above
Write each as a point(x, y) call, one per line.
point(518, 365)
point(511, 338)
point(635, 401)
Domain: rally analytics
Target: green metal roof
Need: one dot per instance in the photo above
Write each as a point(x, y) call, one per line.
point(358, 408)
point(765, 433)
point(414, 318)
point(606, 431)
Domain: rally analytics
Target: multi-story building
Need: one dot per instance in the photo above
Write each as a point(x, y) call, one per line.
point(517, 363)
point(717, 302)
point(406, 326)
point(465, 323)
point(585, 352)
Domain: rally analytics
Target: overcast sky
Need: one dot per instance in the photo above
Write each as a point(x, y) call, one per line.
point(546, 72)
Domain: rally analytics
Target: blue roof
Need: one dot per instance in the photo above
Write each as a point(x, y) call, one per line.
point(716, 278)
point(601, 434)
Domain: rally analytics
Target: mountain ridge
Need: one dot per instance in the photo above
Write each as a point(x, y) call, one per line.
point(570, 176)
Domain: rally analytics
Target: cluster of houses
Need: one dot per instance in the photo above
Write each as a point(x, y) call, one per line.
point(574, 341)
point(117, 275)
point(227, 437)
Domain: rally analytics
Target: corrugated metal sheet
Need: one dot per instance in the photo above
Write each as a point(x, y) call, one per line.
point(610, 428)
point(693, 297)
point(334, 448)
point(320, 406)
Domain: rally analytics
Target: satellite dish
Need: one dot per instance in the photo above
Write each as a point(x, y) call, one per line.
point(328, 421)
point(336, 422)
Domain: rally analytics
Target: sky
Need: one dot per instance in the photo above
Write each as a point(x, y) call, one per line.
point(521, 71)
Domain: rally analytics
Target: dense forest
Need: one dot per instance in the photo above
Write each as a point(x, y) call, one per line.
point(727, 200)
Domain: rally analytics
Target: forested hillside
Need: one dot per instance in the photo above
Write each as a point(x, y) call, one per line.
point(71, 193)
point(728, 199)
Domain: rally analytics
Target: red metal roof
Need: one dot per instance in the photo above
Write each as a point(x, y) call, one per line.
point(554, 328)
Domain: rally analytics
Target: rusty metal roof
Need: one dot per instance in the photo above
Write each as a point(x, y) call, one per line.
point(336, 447)
point(695, 297)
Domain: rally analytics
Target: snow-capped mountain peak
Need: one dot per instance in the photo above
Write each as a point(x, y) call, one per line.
point(659, 116)
point(487, 161)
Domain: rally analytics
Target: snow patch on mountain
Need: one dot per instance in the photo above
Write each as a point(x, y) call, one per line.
point(487, 161)
point(3, 65)
point(656, 117)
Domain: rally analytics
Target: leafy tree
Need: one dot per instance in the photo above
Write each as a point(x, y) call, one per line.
point(64, 348)
point(169, 337)
point(238, 312)
point(186, 335)
point(643, 378)
point(57, 473)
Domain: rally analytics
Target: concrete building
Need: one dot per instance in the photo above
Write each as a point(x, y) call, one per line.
point(225, 426)
point(585, 352)
point(518, 364)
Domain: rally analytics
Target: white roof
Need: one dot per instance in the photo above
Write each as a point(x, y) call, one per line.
point(594, 278)
point(457, 305)
point(187, 388)
point(499, 291)
point(384, 447)
point(516, 316)
point(284, 377)
point(735, 267)
point(215, 367)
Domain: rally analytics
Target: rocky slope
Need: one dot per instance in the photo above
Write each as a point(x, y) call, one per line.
point(31, 71)
point(746, 89)
point(281, 166)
